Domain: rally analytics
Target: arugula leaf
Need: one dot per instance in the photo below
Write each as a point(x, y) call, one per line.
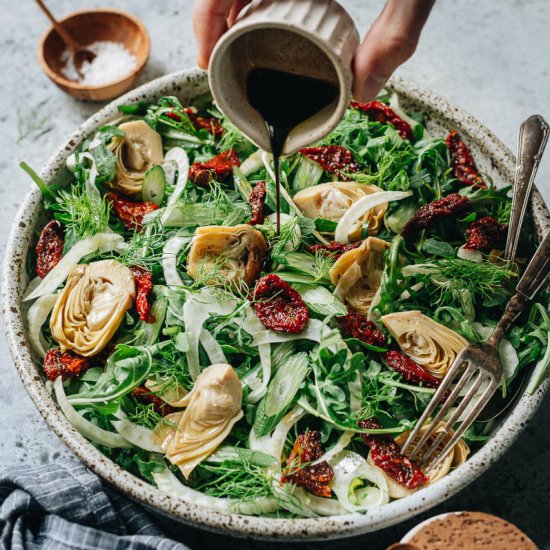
point(355, 343)
point(137, 461)
point(325, 226)
point(139, 108)
point(46, 190)
point(390, 284)
point(107, 133)
point(307, 226)
point(157, 118)
point(126, 369)
point(438, 248)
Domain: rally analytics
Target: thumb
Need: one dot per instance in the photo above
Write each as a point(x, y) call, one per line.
point(390, 42)
point(209, 23)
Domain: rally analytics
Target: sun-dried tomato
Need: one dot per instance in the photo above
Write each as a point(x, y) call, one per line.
point(67, 364)
point(334, 249)
point(49, 249)
point(257, 201)
point(380, 112)
point(219, 168)
point(485, 234)
point(130, 213)
point(358, 326)
point(173, 116)
point(411, 371)
point(278, 306)
point(144, 283)
point(464, 167)
point(299, 470)
point(209, 124)
point(433, 212)
point(332, 158)
point(386, 454)
point(144, 396)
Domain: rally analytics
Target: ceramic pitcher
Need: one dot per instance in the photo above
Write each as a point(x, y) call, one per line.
point(315, 38)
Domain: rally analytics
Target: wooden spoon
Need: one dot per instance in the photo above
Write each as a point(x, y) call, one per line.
point(80, 54)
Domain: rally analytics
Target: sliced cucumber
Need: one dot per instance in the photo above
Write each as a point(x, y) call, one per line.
point(281, 391)
point(325, 226)
point(154, 185)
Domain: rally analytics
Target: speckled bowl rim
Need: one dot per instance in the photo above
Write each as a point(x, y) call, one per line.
point(198, 516)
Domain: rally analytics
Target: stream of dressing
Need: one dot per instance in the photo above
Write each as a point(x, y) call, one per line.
point(285, 100)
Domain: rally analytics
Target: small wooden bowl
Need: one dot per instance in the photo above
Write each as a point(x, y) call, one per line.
point(89, 26)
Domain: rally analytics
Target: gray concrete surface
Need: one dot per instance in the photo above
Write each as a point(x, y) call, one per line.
point(489, 57)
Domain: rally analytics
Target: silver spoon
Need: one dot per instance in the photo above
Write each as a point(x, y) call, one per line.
point(533, 136)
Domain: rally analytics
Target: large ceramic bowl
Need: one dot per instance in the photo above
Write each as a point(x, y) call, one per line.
point(493, 159)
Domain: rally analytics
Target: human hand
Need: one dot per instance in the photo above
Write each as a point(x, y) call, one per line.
point(391, 40)
point(211, 18)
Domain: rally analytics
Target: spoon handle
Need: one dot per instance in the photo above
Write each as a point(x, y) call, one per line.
point(65, 36)
point(533, 136)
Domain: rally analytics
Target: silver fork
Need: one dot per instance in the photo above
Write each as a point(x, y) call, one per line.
point(480, 366)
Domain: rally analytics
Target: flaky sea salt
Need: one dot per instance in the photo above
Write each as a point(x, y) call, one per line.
point(112, 62)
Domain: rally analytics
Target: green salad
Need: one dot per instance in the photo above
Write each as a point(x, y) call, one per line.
point(267, 370)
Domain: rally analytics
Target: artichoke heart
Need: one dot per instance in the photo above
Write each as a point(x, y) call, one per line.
point(233, 254)
point(137, 151)
point(456, 457)
point(357, 274)
point(430, 344)
point(213, 408)
point(91, 307)
point(330, 200)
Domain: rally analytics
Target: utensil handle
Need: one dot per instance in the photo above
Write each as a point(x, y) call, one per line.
point(537, 270)
point(529, 284)
point(533, 136)
point(65, 36)
point(513, 309)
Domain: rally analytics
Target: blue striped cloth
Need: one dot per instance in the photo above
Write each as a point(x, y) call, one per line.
point(62, 506)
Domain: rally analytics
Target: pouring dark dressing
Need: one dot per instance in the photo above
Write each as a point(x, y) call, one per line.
point(285, 100)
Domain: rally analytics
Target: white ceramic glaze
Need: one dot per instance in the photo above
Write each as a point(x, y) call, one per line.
point(492, 157)
point(315, 38)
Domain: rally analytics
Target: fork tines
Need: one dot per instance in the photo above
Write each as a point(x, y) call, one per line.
point(463, 371)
